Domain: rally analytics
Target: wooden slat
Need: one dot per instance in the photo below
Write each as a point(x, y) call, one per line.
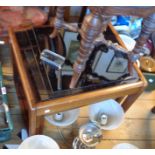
point(79, 100)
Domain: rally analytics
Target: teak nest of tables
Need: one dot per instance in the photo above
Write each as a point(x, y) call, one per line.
point(35, 110)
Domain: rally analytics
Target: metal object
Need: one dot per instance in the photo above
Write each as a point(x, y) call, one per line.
point(58, 117)
point(56, 61)
point(102, 119)
point(90, 134)
point(107, 115)
point(77, 144)
point(64, 118)
point(147, 64)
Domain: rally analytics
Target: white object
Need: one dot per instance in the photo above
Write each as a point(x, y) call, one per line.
point(128, 41)
point(125, 146)
point(3, 90)
point(122, 28)
point(38, 142)
point(2, 42)
point(66, 118)
point(111, 109)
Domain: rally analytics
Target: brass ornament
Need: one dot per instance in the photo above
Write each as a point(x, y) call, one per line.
point(147, 64)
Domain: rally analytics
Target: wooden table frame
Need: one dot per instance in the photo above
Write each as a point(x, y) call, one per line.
point(125, 93)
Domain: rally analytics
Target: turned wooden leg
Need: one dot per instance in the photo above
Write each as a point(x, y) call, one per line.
point(59, 20)
point(147, 28)
point(91, 28)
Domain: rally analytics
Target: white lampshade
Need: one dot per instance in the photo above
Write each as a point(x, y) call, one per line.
point(108, 114)
point(125, 146)
point(38, 142)
point(63, 119)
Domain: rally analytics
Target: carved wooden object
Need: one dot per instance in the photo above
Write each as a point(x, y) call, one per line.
point(147, 29)
point(98, 19)
point(91, 28)
point(59, 20)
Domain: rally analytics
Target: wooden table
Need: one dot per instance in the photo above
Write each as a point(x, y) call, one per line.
point(125, 93)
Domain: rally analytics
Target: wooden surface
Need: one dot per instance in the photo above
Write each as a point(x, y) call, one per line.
point(138, 127)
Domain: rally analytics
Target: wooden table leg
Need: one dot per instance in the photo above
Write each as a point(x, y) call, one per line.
point(59, 20)
point(91, 28)
point(32, 126)
point(40, 124)
point(36, 123)
point(130, 100)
